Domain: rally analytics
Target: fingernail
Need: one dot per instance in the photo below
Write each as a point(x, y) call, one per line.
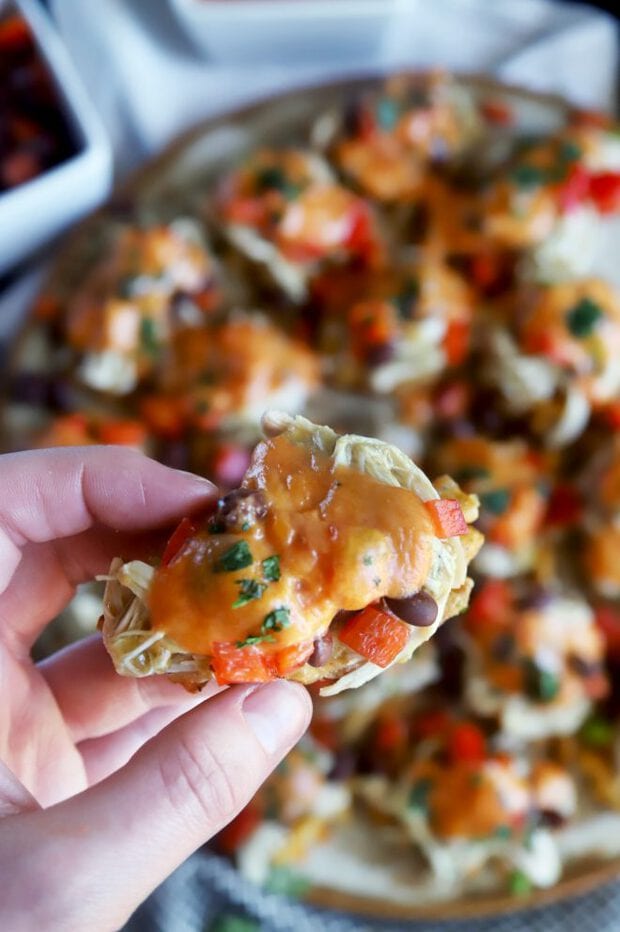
point(277, 713)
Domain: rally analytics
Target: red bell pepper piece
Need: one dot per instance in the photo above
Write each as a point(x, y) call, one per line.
point(575, 189)
point(467, 744)
point(456, 342)
point(376, 634)
point(605, 191)
point(392, 734)
point(164, 416)
point(497, 112)
point(431, 724)
point(612, 414)
point(565, 506)
point(608, 621)
point(447, 517)
point(183, 532)
point(490, 603)
point(233, 835)
point(291, 657)
point(232, 664)
point(125, 433)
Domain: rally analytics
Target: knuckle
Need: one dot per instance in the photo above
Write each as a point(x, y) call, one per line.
point(197, 780)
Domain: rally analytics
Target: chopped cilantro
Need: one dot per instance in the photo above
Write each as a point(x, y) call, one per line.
point(539, 684)
point(285, 882)
point(583, 317)
point(236, 557)
point(125, 287)
point(569, 151)
point(255, 639)
point(277, 620)
point(503, 831)
point(368, 560)
point(228, 922)
point(496, 501)
point(519, 883)
point(406, 298)
point(467, 473)
point(418, 796)
point(275, 179)
point(249, 589)
point(597, 731)
point(387, 113)
point(246, 526)
point(528, 176)
point(216, 527)
point(148, 336)
point(271, 568)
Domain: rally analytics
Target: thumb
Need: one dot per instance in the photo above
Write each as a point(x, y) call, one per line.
point(93, 858)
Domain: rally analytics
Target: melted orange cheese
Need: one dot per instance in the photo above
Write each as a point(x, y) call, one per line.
point(343, 540)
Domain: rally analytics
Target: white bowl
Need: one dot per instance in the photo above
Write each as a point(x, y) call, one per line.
point(286, 31)
point(34, 212)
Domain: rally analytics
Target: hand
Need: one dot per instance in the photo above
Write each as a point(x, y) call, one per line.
point(107, 784)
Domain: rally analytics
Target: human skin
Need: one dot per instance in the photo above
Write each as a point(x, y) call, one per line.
point(107, 784)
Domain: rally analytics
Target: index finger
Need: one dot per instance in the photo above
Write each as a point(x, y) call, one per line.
point(51, 494)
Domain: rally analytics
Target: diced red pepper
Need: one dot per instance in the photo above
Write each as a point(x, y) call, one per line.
point(14, 34)
point(124, 433)
point(484, 270)
point(392, 734)
point(591, 118)
point(233, 835)
point(467, 744)
point(447, 517)
point(361, 240)
point(247, 211)
point(497, 112)
point(605, 191)
point(164, 416)
point(376, 634)
point(456, 342)
point(232, 664)
point(183, 532)
point(565, 506)
point(575, 189)
point(490, 603)
point(612, 414)
point(291, 657)
point(608, 621)
point(431, 724)
point(229, 464)
point(326, 732)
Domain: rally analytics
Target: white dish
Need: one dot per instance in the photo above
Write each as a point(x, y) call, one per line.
point(246, 32)
point(33, 213)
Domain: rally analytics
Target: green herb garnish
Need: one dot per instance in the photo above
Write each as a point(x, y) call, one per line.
point(539, 684)
point(285, 882)
point(148, 336)
point(406, 298)
point(519, 883)
point(418, 796)
point(528, 176)
point(569, 151)
point(503, 832)
point(231, 923)
point(216, 527)
point(597, 731)
point(274, 179)
point(236, 557)
point(583, 317)
point(496, 501)
point(387, 113)
point(255, 639)
point(271, 568)
point(277, 620)
point(467, 473)
point(249, 590)
point(367, 560)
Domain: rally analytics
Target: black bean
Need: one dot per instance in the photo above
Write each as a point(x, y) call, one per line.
point(241, 509)
point(378, 355)
point(419, 609)
point(551, 819)
point(323, 649)
point(584, 667)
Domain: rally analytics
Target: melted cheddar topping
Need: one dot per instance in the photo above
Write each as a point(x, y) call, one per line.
point(340, 539)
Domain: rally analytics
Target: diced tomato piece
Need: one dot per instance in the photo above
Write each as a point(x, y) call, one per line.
point(229, 464)
point(164, 416)
point(361, 240)
point(47, 307)
point(456, 342)
point(575, 189)
point(177, 539)
point(497, 112)
point(326, 732)
point(612, 414)
point(431, 724)
point(376, 634)
point(447, 517)
point(490, 603)
point(125, 433)
point(605, 191)
point(484, 270)
point(467, 743)
point(232, 664)
point(608, 621)
point(565, 506)
point(392, 734)
point(596, 685)
point(289, 658)
point(233, 835)
point(247, 211)
point(591, 118)
point(14, 34)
